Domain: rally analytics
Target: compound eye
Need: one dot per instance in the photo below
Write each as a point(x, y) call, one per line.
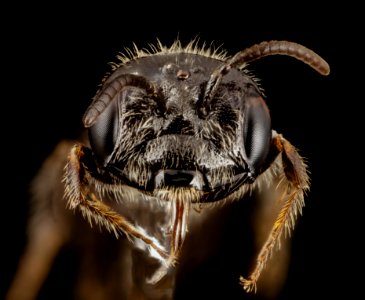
point(257, 132)
point(102, 116)
point(103, 133)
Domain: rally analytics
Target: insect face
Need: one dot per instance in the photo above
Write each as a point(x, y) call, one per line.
point(157, 132)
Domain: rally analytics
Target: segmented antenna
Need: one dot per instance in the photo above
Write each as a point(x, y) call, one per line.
point(106, 96)
point(258, 51)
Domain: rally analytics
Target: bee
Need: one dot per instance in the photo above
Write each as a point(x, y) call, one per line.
point(172, 137)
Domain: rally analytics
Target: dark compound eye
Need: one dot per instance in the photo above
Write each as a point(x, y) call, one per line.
point(103, 133)
point(257, 132)
point(102, 116)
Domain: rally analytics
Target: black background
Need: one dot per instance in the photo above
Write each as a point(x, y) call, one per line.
point(54, 58)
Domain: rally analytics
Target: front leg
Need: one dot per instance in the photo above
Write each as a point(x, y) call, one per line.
point(295, 182)
point(79, 194)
